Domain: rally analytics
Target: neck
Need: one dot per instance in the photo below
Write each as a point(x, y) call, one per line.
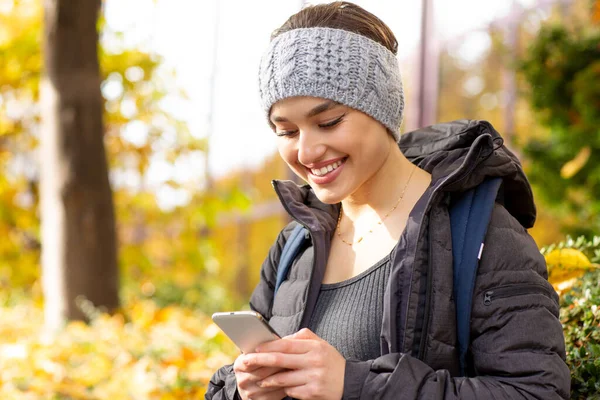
point(377, 196)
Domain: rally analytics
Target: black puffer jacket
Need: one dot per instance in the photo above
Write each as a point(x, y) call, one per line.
point(517, 347)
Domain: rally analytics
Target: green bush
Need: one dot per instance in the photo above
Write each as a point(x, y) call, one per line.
point(580, 316)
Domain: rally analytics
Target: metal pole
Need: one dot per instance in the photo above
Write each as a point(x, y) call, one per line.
point(205, 231)
point(428, 68)
point(511, 39)
point(212, 103)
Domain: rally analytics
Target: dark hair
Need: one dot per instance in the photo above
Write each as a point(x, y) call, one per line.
point(341, 15)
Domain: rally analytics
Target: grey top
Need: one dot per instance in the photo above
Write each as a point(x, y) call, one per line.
point(348, 314)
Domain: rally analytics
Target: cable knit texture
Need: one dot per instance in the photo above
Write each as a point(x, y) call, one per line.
point(334, 64)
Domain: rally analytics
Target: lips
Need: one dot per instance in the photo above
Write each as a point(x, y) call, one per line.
point(327, 173)
point(326, 169)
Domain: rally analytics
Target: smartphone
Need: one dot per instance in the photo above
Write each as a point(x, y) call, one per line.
point(247, 329)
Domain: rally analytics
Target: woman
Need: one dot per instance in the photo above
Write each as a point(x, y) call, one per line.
point(368, 306)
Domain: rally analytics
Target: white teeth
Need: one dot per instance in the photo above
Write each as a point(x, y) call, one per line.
point(325, 170)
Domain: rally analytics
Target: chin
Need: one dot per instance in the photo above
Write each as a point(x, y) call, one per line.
point(326, 196)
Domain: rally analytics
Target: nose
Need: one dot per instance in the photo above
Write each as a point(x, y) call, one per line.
point(310, 147)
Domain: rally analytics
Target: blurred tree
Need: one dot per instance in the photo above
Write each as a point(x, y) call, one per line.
point(155, 166)
point(79, 257)
point(562, 69)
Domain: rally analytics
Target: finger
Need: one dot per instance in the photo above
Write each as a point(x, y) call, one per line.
point(248, 380)
point(254, 392)
point(284, 379)
point(242, 364)
point(290, 346)
point(264, 372)
point(275, 394)
point(297, 392)
point(281, 360)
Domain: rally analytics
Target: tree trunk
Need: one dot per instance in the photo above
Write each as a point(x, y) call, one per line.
point(79, 255)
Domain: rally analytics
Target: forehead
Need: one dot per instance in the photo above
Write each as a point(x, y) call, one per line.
point(300, 106)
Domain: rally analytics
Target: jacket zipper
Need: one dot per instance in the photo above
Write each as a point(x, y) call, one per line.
point(312, 271)
point(425, 324)
point(513, 290)
point(426, 313)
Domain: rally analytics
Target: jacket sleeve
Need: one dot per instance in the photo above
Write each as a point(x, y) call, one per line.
point(222, 385)
point(517, 343)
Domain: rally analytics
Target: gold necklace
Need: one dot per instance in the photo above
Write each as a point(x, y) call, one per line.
point(381, 220)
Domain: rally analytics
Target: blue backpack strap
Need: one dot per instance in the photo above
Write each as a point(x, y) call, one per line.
point(289, 253)
point(470, 215)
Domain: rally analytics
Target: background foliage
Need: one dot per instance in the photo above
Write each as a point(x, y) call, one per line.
point(562, 69)
point(144, 352)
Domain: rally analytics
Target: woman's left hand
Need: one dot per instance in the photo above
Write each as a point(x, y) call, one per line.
point(316, 368)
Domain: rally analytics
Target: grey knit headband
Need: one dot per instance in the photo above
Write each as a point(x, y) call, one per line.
point(334, 64)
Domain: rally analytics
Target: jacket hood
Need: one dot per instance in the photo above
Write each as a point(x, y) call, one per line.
point(463, 153)
point(458, 155)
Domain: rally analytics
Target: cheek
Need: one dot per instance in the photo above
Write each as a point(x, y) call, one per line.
point(285, 151)
point(371, 154)
point(289, 154)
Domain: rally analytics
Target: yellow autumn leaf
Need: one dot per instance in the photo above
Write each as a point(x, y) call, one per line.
point(565, 285)
point(563, 280)
point(574, 166)
point(565, 266)
point(567, 259)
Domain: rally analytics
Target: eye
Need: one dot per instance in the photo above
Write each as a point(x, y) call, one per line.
point(288, 134)
point(333, 123)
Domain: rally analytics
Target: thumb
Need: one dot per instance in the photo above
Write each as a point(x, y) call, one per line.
point(305, 333)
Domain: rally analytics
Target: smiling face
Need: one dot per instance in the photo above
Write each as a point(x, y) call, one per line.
point(336, 149)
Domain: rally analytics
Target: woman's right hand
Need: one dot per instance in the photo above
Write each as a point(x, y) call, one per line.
point(247, 376)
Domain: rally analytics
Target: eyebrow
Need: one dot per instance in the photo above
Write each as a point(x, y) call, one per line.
point(315, 111)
